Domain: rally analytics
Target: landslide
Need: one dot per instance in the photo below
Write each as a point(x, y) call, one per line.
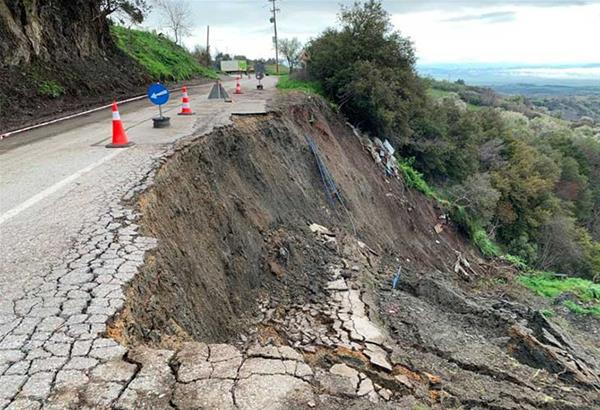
point(231, 212)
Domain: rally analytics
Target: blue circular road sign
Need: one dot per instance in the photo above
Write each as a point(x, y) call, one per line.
point(158, 94)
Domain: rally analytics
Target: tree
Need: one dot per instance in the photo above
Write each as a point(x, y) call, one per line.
point(134, 10)
point(178, 16)
point(201, 55)
point(368, 69)
point(291, 49)
point(559, 247)
point(477, 196)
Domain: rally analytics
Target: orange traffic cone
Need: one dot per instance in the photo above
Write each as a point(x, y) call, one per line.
point(185, 103)
point(119, 137)
point(238, 87)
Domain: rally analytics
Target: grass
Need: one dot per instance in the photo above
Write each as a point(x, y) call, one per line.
point(582, 310)
point(483, 242)
point(548, 285)
point(271, 69)
point(161, 57)
point(287, 83)
point(477, 234)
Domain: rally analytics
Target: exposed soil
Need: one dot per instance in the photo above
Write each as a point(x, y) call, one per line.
point(56, 57)
point(236, 260)
point(88, 84)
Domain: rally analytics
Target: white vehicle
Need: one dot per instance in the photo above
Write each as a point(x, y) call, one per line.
point(229, 66)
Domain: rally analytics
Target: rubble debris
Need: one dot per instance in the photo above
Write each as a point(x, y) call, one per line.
point(316, 228)
point(552, 353)
point(383, 155)
point(463, 267)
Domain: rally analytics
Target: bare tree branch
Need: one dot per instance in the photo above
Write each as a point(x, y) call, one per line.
point(178, 15)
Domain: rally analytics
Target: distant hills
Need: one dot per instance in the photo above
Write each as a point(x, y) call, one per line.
point(530, 80)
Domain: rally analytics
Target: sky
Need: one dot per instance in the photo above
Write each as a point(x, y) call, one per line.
point(528, 32)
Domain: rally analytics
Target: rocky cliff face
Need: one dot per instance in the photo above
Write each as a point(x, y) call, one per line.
point(51, 29)
point(57, 56)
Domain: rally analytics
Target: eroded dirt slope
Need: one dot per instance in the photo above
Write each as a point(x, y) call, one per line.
point(241, 262)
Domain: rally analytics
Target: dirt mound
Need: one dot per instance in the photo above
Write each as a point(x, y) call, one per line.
point(237, 261)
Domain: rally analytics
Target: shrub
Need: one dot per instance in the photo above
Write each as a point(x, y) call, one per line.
point(547, 313)
point(483, 242)
point(516, 261)
point(50, 88)
point(414, 179)
point(460, 215)
point(559, 248)
point(477, 234)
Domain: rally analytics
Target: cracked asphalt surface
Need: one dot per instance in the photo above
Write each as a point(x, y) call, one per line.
point(69, 245)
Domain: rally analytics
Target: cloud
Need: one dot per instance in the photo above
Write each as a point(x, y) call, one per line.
point(243, 27)
point(495, 17)
point(246, 13)
point(407, 6)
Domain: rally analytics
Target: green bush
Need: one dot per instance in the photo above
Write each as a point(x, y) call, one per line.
point(516, 261)
point(414, 179)
point(161, 57)
point(50, 88)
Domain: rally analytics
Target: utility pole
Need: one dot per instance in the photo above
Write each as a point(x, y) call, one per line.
point(207, 47)
point(274, 10)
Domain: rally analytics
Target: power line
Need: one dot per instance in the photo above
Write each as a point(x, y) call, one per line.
point(274, 10)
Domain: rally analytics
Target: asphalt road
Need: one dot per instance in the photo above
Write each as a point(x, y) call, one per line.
point(57, 180)
point(68, 243)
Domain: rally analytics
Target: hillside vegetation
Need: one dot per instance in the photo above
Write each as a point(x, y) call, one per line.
point(80, 59)
point(521, 183)
point(161, 57)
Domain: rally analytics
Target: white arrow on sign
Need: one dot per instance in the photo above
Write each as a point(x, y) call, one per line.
point(156, 95)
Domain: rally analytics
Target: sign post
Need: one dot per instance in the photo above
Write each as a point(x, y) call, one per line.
point(159, 95)
point(259, 72)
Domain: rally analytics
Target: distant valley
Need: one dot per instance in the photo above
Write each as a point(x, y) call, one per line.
point(568, 92)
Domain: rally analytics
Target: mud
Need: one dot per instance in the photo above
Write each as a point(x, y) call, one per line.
point(237, 262)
